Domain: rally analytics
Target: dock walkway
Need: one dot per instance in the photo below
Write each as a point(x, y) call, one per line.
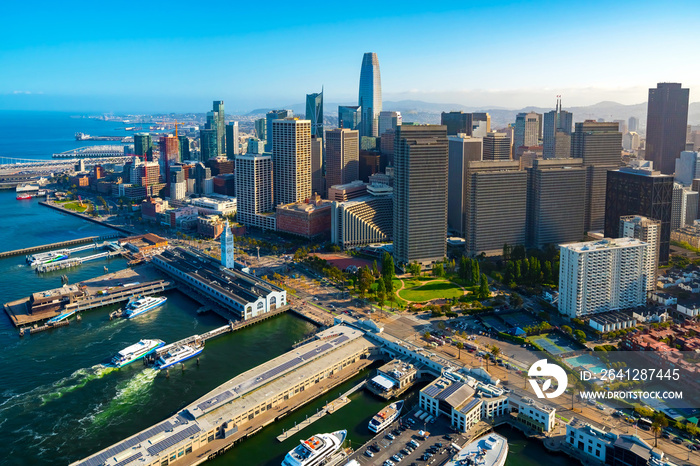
point(330, 408)
point(61, 244)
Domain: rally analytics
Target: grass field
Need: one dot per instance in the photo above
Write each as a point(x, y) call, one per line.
point(75, 206)
point(417, 291)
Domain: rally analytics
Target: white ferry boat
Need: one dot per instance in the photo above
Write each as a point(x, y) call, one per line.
point(315, 450)
point(136, 351)
point(141, 305)
point(488, 450)
point(178, 355)
point(385, 417)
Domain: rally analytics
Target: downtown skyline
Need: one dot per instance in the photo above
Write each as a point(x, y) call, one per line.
point(600, 56)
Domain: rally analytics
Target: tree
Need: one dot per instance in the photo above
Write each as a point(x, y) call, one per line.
point(580, 335)
point(483, 292)
point(475, 272)
point(516, 300)
point(506, 252)
point(381, 293)
point(388, 272)
point(375, 269)
point(414, 269)
point(426, 335)
point(566, 329)
point(465, 271)
point(438, 270)
point(365, 281)
point(495, 350)
point(460, 346)
point(658, 423)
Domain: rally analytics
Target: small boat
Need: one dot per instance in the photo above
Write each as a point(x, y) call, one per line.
point(23, 197)
point(316, 449)
point(136, 351)
point(141, 305)
point(488, 450)
point(385, 417)
point(178, 355)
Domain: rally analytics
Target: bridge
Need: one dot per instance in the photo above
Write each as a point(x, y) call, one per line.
point(10, 164)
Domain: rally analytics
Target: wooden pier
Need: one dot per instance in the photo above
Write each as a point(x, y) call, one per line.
point(61, 244)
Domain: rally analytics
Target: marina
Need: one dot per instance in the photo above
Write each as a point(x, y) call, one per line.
point(60, 244)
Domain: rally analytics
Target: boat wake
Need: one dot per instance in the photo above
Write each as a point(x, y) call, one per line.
point(130, 393)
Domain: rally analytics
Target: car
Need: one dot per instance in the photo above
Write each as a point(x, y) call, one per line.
point(403, 428)
point(396, 432)
point(677, 440)
point(439, 444)
point(666, 434)
point(369, 453)
point(600, 407)
point(447, 437)
point(405, 452)
point(390, 436)
point(375, 447)
point(395, 458)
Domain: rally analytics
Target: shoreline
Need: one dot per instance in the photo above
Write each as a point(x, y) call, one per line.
point(53, 205)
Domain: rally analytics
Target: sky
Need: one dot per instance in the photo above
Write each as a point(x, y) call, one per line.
point(179, 56)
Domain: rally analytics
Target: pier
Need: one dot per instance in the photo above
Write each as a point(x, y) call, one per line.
point(330, 408)
point(61, 244)
point(68, 263)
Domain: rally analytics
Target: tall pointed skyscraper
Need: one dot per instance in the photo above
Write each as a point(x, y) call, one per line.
point(314, 113)
point(370, 95)
point(556, 136)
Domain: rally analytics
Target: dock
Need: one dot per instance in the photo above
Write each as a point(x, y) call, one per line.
point(68, 263)
point(61, 244)
point(330, 408)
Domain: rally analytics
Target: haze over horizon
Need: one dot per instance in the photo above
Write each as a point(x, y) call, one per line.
point(171, 57)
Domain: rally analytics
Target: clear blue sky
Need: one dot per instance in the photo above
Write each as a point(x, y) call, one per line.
point(178, 56)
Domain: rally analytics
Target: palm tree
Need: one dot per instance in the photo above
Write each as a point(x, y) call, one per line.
point(657, 425)
point(575, 384)
point(460, 345)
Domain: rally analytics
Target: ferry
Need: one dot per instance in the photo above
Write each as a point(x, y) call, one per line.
point(23, 197)
point(136, 352)
point(315, 450)
point(141, 305)
point(47, 257)
point(488, 450)
point(178, 355)
point(385, 417)
point(23, 188)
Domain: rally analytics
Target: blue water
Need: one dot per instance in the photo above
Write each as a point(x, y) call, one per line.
point(589, 362)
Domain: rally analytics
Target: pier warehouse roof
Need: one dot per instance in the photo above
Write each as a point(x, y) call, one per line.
point(245, 294)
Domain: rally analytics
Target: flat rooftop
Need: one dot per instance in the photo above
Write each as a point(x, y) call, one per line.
point(398, 369)
point(606, 243)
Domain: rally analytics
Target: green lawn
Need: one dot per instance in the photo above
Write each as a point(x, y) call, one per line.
point(421, 292)
point(75, 206)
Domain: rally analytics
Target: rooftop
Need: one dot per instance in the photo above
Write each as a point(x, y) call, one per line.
point(606, 243)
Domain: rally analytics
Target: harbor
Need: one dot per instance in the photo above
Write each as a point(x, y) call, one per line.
point(58, 245)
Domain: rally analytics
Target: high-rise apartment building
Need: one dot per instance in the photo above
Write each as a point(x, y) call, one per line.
point(420, 194)
point(639, 190)
point(556, 193)
point(143, 146)
point(496, 206)
point(602, 276)
point(349, 117)
point(555, 122)
point(208, 144)
point(220, 126)
point(388, 121)
point(269, 118)
point(342, 156)
point(169, 153)
point(254, 191)
point(232, 146)
point(599, 145)
point(461, 151)
point(457, 123)
point(687, 167)
point(291, 157)
point(649, 231)
point(317, 184)
point(667, 120)
point(528, 130)
point(497, 147)
point(314, 113)
point(370, 96)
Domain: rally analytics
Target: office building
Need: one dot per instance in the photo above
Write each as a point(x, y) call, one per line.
point(220, 126)
point(461, 150)
point(684, 206)
point(220, 166)
point(208, 144)
point(602, 276)
point(363, 220)
point(349, 117)
point(370, 164)
point(649, 231)
point(420, 194)
point(667, 120)
point(528, 130)
point(346, 192)
point(255, 146)
point(639, 190)
point(308, 219)
point(687, 167)
point(291, 155)
point(169, 153)
point(497, 147)
point(212, 124)
point(478, 118)
point(621, 126)
point(555, 122)
point(495, 206)
point(370, 96)
point(269, 118)
point(314, 113)
point(599, 146)
point(342, 156)
point(225, 184)
point(143, 146)
point(203, 184)
point(556, 193)
point(317, 181)
point(232, 146)
point(388, 121)
point(633, 124)
point(631, 141)
point(254, 191)
point(184, 147)
point(261, 129)
point(457, 123)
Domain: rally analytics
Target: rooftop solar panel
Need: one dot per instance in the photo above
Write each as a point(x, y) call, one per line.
point(340, 339)
point(469, 406)
point(172, 440)
point(221, 397)
point(432, 391)
point(450, 390)
point(129, 459)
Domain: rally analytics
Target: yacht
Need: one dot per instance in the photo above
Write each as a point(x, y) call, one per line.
point(141, 305)
point(136, 351)
point(385, 417)
point(315, 450)
point(488, 450)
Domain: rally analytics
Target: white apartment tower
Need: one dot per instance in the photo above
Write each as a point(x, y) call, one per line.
point(649, 231)
point(601, 276)
point(254, 191)
point(291, 156)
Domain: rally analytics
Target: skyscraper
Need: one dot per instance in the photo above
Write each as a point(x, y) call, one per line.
point(370, 98)
point(639, 190)
point(420, 194)
point(496, 147)
point(633, 124)
point(317, 185)
point(291, 157)
point(270, 117)
point(649, 231)
point(687, 167)
point(169, 154)
point(461, 151)
point(555, 122)
point(261, 128)
point(208, 144)
point(528, 127)
point(232, 147)
point(143, 145)
point(314, 113)
point(388, 121)
point(349, 117)
point(481, 117)
point(457, 122)
point(184, 147)
point(220, 126)
point(667, 120)
point(212, 124)
point(342, 156)
point(254, 191)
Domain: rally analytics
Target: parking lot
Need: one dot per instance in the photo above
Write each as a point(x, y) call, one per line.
point(403, 443)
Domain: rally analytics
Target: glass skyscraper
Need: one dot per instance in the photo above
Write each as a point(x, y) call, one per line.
point(556, 123)
point(370, 95)
point(314, 113)
point(349, 117)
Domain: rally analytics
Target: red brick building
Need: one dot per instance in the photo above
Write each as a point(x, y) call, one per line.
point(305, 219)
